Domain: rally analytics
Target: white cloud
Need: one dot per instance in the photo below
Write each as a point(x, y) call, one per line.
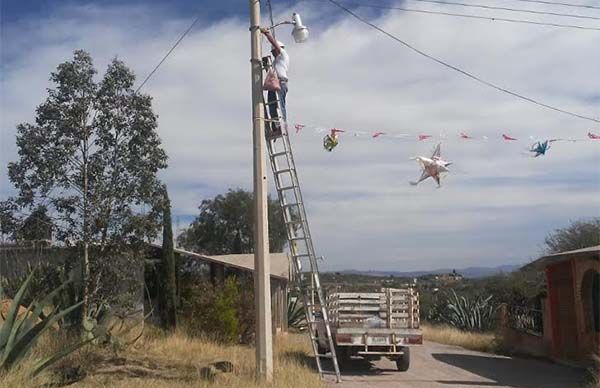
point(495, 206)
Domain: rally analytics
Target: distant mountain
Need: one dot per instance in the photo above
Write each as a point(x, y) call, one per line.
point(469, 272)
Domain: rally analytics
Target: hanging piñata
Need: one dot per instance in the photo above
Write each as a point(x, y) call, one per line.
point(540, 148)
point(330, 141)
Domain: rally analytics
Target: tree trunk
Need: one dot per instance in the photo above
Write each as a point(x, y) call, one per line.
point(167, 293)
point(85, 267)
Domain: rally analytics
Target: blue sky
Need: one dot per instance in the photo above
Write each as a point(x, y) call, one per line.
point(494, 208)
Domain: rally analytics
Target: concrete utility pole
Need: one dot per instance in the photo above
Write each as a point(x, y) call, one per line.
point(262, 263)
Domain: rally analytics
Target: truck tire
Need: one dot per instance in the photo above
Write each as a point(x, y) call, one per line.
point(321, 349)
point(403, 362)
point(343, 356)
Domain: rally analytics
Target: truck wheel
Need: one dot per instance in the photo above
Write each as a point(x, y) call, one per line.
point(321, 349)
point(403, 362)
point(343, 356)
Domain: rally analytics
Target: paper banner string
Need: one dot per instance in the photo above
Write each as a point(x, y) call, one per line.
point(425, 137)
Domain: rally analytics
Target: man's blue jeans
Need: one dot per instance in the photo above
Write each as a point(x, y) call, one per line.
point(271, 96)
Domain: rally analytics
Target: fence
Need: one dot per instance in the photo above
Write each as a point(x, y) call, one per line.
point(526, 319)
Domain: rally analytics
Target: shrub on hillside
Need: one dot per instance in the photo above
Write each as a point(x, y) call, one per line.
point(220, 311)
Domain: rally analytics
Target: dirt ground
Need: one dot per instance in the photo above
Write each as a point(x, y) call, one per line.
point(435, 365)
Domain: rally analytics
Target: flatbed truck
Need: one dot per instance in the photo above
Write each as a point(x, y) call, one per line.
point(375, 324)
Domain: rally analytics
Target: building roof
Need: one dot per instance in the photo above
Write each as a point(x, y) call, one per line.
point(280, 263)
point(592, 252)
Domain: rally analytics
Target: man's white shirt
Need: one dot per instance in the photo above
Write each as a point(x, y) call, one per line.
point(282, 64)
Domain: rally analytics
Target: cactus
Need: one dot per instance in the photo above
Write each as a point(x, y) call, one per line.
point(476, 314)
point(296, 315)
point(19, 334)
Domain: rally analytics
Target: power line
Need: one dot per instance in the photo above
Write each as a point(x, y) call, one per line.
point(474, 77)
point(495, 19)
point(168, 53)
point(562, 4)
point(271, 16)
point(509, 9)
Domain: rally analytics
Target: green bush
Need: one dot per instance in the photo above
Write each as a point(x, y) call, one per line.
point(218, 311)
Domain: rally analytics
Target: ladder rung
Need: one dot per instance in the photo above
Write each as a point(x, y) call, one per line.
point(272, 102)
point(276, 154)
point(301, 255)
point(284, 171)
point(294, 222)
point(291, 204)
point(286, 188)
point(324, 355)
point(298, 238)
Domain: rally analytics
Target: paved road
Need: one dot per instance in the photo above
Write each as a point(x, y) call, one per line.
point(435, 365)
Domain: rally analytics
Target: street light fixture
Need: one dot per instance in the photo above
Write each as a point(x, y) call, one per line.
point(300, 31)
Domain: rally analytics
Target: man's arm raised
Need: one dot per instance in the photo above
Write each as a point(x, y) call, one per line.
point(272, 40)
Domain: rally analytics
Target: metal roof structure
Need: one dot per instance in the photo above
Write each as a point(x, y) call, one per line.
point(543, 261)
point(280, 264)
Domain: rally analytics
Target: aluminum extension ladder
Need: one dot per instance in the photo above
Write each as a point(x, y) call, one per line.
point(304, 260)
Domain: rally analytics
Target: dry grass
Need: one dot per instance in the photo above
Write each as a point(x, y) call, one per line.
point(483, 342)
point(176, 360)
point(594, 372)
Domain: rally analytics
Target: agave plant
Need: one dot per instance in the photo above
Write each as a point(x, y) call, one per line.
point(467, 314)
point(295, 314)
point(104, 327)
point(19, 333)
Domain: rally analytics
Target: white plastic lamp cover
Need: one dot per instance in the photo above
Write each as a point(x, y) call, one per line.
point(300, 32)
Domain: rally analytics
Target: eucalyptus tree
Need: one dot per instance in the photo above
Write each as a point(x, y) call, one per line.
point(91, 157)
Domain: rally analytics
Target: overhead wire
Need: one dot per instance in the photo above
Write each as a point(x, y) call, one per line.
point(169, 52)
point(560, 4)
point(492, 7)
point(464, 72)
point(492, 18)
point(271, 17)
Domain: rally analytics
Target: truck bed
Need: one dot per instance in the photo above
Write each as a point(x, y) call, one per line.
point(376, 323)
point(391, 308)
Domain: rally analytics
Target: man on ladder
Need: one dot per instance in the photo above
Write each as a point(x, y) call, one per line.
point(281, 65)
